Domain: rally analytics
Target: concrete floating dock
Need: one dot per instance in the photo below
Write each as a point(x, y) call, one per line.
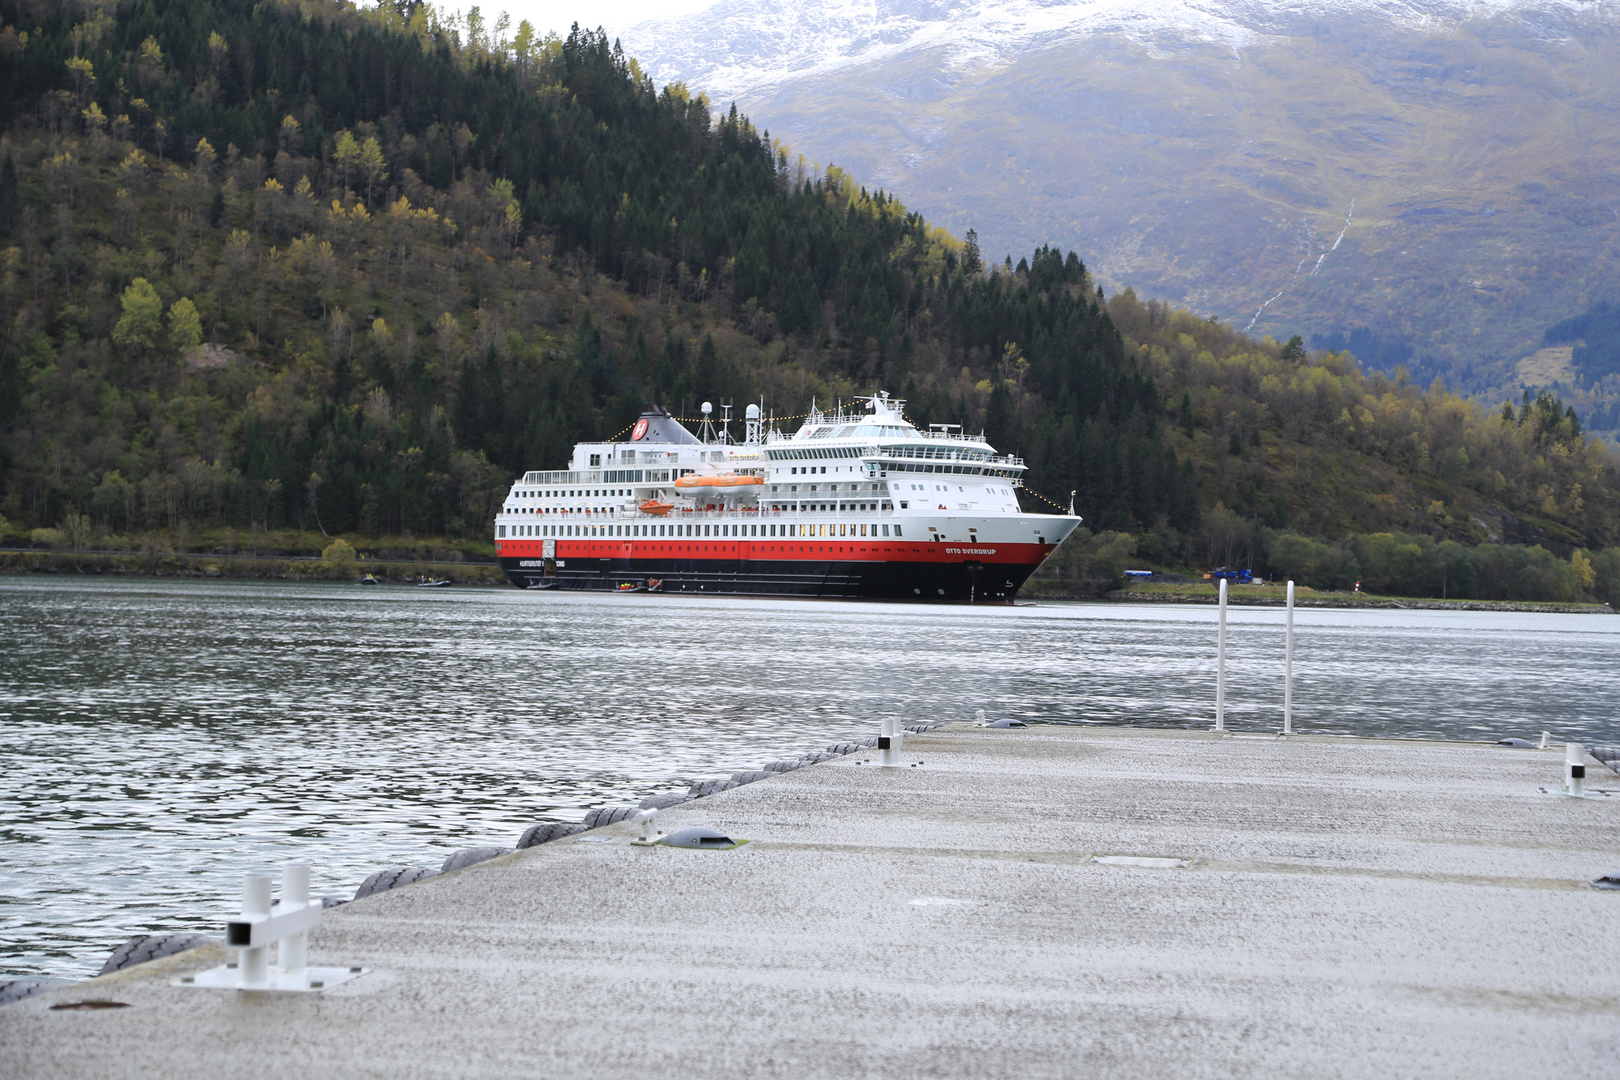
point(1301, 907)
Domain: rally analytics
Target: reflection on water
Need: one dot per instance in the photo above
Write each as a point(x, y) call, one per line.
point(162, 738)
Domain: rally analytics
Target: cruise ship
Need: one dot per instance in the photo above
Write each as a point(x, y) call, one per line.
point(858, 503)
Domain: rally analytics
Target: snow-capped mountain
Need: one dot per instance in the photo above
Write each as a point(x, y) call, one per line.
point(741, 47)
point(1441, 177)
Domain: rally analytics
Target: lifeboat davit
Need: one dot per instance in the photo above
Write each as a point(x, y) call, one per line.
point(721, 485)
point(655, 508)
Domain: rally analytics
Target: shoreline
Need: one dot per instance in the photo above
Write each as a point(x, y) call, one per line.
point(253, 567)
point(242, 567)
point(1347, 601)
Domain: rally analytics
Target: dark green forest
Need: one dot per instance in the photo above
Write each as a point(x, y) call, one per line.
point(298, 267)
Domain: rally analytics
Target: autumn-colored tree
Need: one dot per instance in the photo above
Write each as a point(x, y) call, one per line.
point(346, 156)
point(372, 165)
point(290, 135)
point(185, 325)
point(141, 319)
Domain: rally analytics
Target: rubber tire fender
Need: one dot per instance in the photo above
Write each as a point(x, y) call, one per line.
point(392, 878)
point(709, 787)
point(468, 856)
point(662, 802)
point(546, 832)
point(17, 989)
point(607, 815)
point(138, 950)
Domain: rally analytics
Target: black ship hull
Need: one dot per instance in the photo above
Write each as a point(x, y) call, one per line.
point(939, 582)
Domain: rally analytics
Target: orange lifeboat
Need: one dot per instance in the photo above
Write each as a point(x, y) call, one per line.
point(655, 508)
point(732, 484)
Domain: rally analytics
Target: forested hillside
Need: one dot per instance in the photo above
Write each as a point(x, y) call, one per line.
point(287, 266)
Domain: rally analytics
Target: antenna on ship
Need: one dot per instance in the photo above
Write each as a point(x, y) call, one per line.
point(1071, 504)
point(725, 422)
point(708, 423)
point(752, 434)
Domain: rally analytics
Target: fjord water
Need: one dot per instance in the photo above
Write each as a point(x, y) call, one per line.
point(159, 739)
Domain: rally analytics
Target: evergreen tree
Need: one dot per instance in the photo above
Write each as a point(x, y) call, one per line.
point(9, 198)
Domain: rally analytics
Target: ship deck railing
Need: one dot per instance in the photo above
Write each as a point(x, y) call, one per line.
point(750, 514)
point(619, 515)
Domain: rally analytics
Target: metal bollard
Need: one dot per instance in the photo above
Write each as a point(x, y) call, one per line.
point(1574, 769)
point(294, 956)
point(256, 929)
point(1288, 667)
point(259, 926)
point(648, 820)
point(1546, 739)
point(889, 739)
point(253, 962)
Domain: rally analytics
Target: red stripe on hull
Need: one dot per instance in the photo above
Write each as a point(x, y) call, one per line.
point(874, 551)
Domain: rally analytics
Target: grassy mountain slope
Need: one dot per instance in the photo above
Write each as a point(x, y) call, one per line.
point(295, 266)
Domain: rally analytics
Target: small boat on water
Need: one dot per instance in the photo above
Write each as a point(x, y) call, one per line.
point(369, 580)
point(434, 583)
point(631, 586)
point(543, 583)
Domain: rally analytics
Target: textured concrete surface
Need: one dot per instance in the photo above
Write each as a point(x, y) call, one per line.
point(1353, 908)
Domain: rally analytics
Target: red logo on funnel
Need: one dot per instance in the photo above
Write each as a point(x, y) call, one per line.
point(641, 429)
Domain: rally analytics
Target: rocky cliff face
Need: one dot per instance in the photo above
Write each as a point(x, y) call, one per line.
point(1440, 177)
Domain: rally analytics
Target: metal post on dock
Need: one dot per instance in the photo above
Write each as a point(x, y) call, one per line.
point(1220, 664)
point(1288, 666)
point(260, 926)
point(294, 951)
point(889, 739)
point(253, 962)
point(1575, 769)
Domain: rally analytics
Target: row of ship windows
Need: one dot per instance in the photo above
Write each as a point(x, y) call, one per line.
point(908, 466)
point(616, 493)
point(948, 453)
point(696, 531)
point(776, 506)
point(575, 493)
point(810, 507)
point(850, 506)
